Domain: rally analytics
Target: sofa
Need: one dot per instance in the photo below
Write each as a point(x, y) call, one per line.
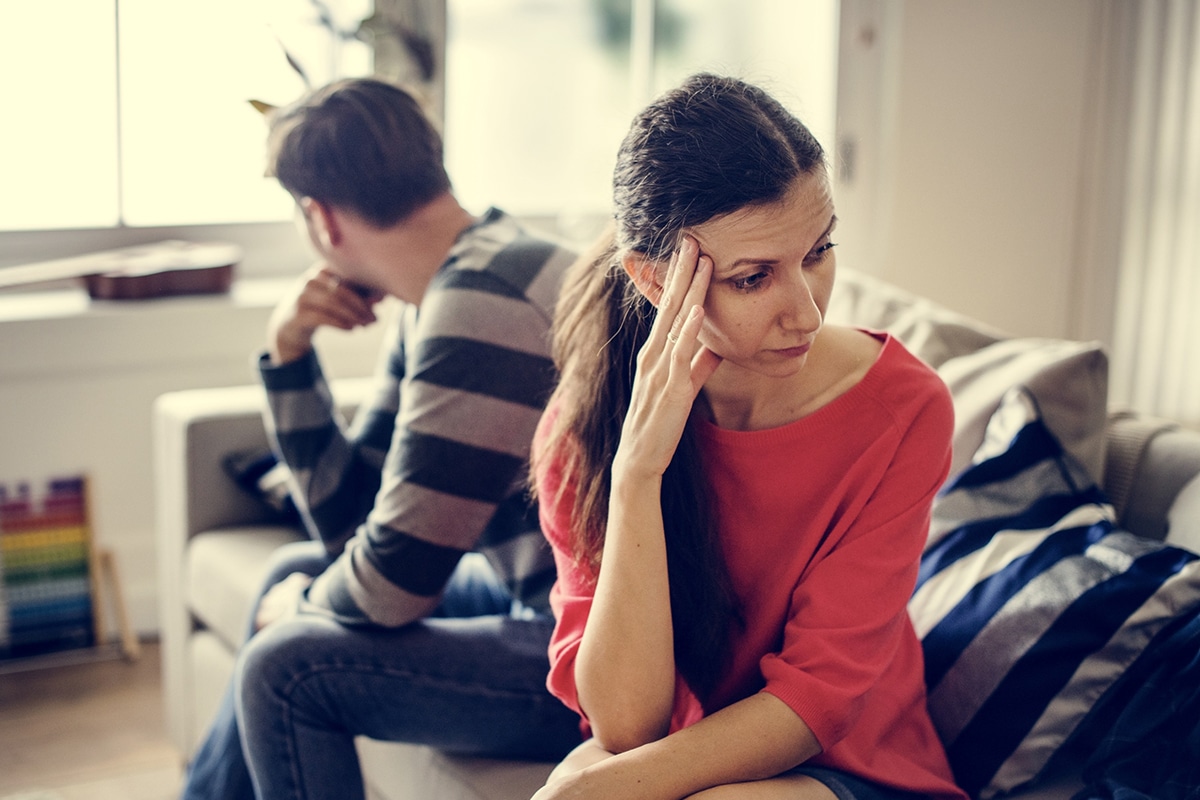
point(214, 538)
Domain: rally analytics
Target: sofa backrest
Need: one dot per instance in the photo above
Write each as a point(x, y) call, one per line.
point(1067, 379)
point(1148, 466)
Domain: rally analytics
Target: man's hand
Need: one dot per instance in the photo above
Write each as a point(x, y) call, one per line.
point(319, 297)
point(281, 600)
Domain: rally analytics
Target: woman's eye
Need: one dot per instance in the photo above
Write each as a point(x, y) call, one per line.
point(750, 282)
point(818, 254)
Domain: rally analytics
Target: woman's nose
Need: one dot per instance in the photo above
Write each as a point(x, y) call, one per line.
point(801, 311)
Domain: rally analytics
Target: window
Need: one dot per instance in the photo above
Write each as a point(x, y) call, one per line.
point(539, 94)
point(133, 124)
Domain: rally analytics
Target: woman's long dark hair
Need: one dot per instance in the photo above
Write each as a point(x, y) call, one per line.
point(708, 148)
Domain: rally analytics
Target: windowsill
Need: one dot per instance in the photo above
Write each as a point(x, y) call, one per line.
point(63, 335)
point(27, 306)
point(55, 330)
point(50, 335)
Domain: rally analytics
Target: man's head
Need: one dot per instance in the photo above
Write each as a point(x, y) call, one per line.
point(362, 145)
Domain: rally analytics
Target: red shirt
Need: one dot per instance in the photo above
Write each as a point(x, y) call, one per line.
point(822, 523)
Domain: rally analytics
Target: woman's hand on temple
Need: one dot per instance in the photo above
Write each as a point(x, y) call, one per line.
point(672, 366)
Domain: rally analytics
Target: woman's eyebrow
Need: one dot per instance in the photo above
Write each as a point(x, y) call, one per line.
point(833, 221)
point(754, 261)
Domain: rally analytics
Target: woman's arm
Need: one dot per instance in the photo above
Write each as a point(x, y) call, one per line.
point(752, 740)
point(625, 669)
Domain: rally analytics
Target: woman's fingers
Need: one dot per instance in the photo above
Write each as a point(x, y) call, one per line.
point(680, 271)
point(685, 286)
point(672, 367)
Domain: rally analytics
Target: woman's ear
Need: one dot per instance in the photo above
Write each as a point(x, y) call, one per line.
point(646, 275)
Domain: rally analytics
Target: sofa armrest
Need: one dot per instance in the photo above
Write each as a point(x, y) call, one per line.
point(1148, 462)
point(194, 430)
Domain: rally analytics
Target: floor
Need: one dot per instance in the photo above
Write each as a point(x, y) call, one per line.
point(87, 731)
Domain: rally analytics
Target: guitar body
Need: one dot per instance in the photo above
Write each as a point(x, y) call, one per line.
point(168, 282)
point(161, 269)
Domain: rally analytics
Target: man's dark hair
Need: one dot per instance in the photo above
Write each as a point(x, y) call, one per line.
point(360, 144)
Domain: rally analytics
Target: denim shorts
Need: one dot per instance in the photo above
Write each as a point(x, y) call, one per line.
point(850, 787)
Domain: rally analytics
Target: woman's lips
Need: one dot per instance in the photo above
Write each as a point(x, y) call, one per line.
point(794, 352)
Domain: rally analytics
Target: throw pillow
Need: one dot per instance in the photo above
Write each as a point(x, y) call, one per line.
point(1031, 603)
point(980, 363)
point(931, 332)
point(1069, 381)
point(260, 473)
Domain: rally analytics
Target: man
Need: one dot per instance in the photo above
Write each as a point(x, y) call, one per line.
point(420, 614)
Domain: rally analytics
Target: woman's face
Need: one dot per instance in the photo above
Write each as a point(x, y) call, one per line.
point(773, 271)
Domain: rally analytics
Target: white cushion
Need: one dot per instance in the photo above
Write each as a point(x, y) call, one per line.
point(224, 572)
point(980, 363)
point(396, 771)
point(931, 332)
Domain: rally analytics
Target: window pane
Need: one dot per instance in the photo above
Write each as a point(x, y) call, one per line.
point(58, 165)
point(539, 94)
point(193, 149)
point(537, 100)
point(789, 47)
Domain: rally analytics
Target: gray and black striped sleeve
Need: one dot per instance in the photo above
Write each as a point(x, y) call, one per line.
point(477, 375)
point(335, 471)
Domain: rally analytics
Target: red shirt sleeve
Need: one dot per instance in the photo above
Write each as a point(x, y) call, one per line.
point(572, 593)
point(848, 623)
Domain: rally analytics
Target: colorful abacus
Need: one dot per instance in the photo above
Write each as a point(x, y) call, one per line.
point(46, 596)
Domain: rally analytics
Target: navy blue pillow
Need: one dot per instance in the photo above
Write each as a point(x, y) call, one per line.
point(262, 475)
point(1031, 603)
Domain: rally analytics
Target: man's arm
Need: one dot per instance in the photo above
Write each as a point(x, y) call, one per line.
point(334, 472)
point(477, 374)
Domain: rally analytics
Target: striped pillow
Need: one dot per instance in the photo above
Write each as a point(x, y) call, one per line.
point(1031, 603)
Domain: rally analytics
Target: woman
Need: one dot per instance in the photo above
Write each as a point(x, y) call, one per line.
point(737, 494)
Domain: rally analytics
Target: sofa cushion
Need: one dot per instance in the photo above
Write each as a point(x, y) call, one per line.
point(1068, 381)
point(260, 474)
point(398, 771)
point(1031, 603)
point(223, 574)
point(931, 332)
point(980, 363)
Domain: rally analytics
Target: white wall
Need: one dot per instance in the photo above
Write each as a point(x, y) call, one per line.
point(77, 382)
point(970, 125)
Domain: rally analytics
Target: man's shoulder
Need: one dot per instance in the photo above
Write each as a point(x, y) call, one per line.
point(502, 256)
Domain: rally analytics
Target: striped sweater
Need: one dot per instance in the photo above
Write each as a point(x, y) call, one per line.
point(435, 465)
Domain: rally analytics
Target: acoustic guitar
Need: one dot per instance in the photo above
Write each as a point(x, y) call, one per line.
point(160, 269)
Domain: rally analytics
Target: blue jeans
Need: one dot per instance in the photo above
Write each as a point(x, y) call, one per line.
point(468, 680)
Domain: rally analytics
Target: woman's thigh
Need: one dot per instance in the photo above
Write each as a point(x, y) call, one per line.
point(784, 787)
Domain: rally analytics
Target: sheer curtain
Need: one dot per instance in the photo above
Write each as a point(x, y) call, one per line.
point(1155, 364)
